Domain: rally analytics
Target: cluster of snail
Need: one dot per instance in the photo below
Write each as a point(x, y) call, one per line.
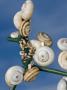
point(62, 60)
point(34, 53)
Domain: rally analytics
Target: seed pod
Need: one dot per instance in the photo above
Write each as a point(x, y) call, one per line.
point(62, 44)
point(44, 56)
point(62, 60)
point(27, 9)
point(43, 37)
point(14, 75)
point(31, 74)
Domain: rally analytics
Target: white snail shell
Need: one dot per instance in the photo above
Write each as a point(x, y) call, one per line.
point(18, 19)
point(44, 56)
point(35, 43)
point(14, 75)
point(62, 60)
point(25, 29)
point(27, 9)
point(62, 85)
point(14, 34)
point(62, 44)
point(31, 74)
point(45, 38)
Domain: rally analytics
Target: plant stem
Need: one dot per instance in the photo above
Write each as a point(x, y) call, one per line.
point(54, 71)
point(13, 39)
point(14, 87)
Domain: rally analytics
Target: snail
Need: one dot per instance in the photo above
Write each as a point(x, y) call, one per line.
point(14, 75)
point(22, 44)
point(23, 55)
point(22, 25)
point(25, 29)
point(62, 85)
point(18, 20)
point(43, 37)
point(27, 10)
point(31, 74)
point(35, 43)
point(62, 44)
point(43, 56)
point(14, 34)
point(62, 60)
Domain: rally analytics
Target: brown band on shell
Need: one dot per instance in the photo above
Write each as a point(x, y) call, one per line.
point(45, 38)
point(31, 74)
point(25, 28)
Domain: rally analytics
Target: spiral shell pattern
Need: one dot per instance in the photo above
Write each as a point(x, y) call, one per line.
point(43, 37)
point(27, 9)
point(44, 56)
point(25, 30)
point(62, 44)
point(62, 60)
point(62, 85)
point(31, 74)
point(14, 75)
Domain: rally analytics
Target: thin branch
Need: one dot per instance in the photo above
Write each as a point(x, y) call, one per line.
point(14, 87)
point(13, 39)
point(54, 71)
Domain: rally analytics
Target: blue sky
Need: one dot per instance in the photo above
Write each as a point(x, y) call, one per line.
point(49, 16)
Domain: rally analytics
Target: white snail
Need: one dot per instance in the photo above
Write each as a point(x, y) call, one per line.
point(27, 9)
point(62, 60)
point(31, 74)
point(62, 85)
point(35, 43)
point(44, 38)
point(62, 44)
point(14, 34)
point(14, 75)
point(18, 20)
point(44, 56)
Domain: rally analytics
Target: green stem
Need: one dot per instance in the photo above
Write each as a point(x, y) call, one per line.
point(14, 88)
point(54, 71)
point(13, 39)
